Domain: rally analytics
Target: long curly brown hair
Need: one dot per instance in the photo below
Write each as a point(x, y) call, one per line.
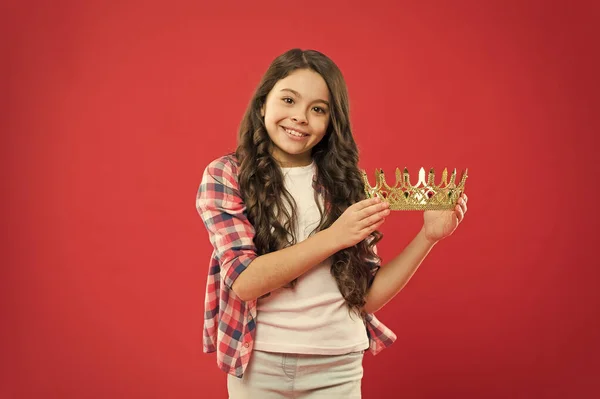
point(336, 159)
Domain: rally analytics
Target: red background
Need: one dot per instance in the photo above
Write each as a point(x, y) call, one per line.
point(111, 110)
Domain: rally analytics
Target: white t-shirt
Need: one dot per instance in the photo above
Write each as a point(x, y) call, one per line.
point(312, 317)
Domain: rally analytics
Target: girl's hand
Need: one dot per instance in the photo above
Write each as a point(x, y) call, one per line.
point(441, 224)
point(358, 221)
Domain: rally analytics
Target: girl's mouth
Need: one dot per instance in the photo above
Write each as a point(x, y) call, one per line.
point(294, 133)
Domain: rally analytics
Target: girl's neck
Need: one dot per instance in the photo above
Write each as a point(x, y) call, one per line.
point(293, 163)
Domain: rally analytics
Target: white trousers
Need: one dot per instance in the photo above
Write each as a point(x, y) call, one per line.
point(280, 375)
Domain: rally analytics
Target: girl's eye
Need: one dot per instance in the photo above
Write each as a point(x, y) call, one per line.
point(288, 100)
point(319, 110)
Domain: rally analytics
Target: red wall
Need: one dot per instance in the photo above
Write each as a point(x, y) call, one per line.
point(111, 111)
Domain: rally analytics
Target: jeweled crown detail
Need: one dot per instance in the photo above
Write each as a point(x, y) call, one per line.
point(425, 195)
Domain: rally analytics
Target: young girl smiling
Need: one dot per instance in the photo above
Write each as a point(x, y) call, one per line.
point(294, 278)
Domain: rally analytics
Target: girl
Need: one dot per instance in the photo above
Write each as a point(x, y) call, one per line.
point(294, 277)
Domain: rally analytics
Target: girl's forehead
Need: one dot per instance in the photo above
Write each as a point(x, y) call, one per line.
point(305, 83)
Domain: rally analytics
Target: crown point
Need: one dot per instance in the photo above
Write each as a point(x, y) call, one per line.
point(422, 177)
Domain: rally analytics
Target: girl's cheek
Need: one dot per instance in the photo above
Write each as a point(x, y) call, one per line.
point(324, 126)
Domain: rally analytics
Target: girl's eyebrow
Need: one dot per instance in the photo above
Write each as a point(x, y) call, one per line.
point(298, 95)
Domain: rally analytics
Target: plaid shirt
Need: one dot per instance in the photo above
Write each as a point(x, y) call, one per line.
point(229, 322)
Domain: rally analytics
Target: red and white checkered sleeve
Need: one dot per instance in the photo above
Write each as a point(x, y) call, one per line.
point(222, 210)
point(374, 266)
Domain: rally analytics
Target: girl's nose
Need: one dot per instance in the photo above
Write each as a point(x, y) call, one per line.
point(300, 118)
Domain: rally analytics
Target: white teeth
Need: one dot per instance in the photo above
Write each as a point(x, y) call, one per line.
point(294, 133)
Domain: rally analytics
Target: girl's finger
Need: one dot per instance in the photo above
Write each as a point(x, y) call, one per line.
point(459, 214)
point(369, 229)
point(463, 204)
point(370, 220)
point(373, 209)
point(360, 205)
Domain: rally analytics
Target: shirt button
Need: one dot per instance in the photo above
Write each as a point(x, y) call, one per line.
point(246, 345)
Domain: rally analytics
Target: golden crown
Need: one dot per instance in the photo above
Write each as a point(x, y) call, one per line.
point(425, 195)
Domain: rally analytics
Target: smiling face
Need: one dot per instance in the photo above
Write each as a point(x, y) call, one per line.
point(296, 114)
